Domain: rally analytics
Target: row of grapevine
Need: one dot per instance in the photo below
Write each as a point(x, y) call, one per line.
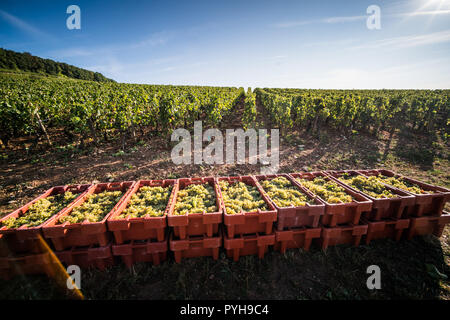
point(421, 110)
point(28, 105)
point(249, 114)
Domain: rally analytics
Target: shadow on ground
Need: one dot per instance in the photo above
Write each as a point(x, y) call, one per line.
point(409, 270)
point(421, 150)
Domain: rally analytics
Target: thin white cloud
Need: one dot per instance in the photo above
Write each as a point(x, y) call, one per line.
point(133, 72)
point(168, 69)
point(343, 19)
point(395, 77)
point(22, 25)
point(291, 24)
point(330, 20)
point(342, 42)
point(408, 41)
point(278, 57)
point(156, 39)
point(424, 13)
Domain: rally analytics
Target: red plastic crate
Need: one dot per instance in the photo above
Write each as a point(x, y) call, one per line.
point(145, 227)
point(195, 246)
point(87, 257)
point(249, 244)
point(304, 216)
point(385, 208)
point(299, 237)
point(195, 224)
point(428, 225)
point(249, 222)
point(350, 234)
point(426, 204)
point(24, 239)
point(339, 213)
point(67, 235)
point(25, 264)
point(392, 229)
point(141, 251)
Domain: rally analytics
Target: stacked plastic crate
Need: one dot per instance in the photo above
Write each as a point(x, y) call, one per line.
point(388, 218)
point(141, 235)
point(247, 231)
point(193, 233)
point(82, 241)
point(424, 215)
point(297, 225)
point(22, 248)
point(247, 214)
point(344, 209)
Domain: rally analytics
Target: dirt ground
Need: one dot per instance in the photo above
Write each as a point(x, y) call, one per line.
point(417, 269)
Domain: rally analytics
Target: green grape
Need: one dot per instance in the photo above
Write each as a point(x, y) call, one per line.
point(241, 197)
point(329, 190)
point(370, 186)
point(195, 198)
point(94, 208)
point(148, 200)
point(403, 184)
point(284, 193)
point(41, 211)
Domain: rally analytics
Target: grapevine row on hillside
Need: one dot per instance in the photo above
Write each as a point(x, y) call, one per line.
point(29, 105)
point(421, 110)
point(249, 115)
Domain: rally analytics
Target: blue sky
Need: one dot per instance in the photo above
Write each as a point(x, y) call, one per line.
point(301, 44)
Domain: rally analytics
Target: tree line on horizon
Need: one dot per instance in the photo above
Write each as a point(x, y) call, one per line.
point(11, 60)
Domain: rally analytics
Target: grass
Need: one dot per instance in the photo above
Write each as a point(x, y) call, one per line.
point(119, 153)
point(128, 166)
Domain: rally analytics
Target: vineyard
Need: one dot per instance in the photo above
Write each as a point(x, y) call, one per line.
point(31, 105)
point(368, 110)
point(131, 124)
